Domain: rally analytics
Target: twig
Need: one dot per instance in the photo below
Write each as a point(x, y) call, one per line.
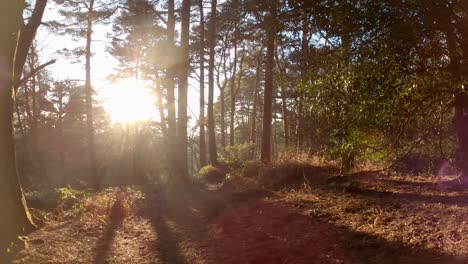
point(34, 72)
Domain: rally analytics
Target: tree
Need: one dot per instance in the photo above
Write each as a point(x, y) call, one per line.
point(268, 97)
point(222, 71)
point(255, 96)
point(183, 87)
point(233, 87)
point(211, 119)
point(202, 124)
point(83, 16)
point(137, 38)
point(15, 221)
point(170, 82)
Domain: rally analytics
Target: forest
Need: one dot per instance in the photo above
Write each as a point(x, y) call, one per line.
point(233, 131)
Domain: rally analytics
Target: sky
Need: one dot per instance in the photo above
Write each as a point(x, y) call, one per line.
point(102, 65)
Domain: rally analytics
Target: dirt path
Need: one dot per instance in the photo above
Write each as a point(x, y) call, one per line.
point(193, 226)
point(210, 225)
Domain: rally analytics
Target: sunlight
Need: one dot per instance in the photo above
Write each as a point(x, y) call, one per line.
point(129, 101)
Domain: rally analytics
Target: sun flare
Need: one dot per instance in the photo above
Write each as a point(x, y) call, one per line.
point(129, 101)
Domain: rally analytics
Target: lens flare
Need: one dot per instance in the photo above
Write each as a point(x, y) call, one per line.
point(129, 101)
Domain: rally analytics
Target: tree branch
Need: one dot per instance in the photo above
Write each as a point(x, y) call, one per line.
point(34, 72)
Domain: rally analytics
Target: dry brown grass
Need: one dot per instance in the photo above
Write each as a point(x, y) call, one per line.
point(402, 213)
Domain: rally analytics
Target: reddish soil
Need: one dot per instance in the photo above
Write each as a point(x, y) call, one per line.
point(268, 232)
point(317, 224)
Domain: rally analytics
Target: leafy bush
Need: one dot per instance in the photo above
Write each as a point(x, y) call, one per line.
point(53, 198)
point(211, 174)
point(236, 156)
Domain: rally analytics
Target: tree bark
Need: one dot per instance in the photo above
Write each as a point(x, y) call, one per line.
point(233, 91)
point(284, 106)
point(202, 153)
point(222, 120)
point(26, 38)
point(222, 89)
point(461, 98)
point(239, 80)
point(258, 75)
point(89, 100)
point(211, 119)
point(304, 70)
point(14, 217)
point(162, 116)
point(268, 97)
point(183, 88)
point(61, 140)
point(170, 80)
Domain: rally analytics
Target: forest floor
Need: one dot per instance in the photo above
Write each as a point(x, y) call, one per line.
point(377, 219)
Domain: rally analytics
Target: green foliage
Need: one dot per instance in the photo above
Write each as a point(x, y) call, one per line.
point(236, 156)
point(211, 174)
point(204, 171)
point(53, 198)
point(345, 147)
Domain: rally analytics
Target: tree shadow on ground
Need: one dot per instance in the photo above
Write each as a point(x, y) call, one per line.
point(116, 218)
point(203, 225)
point(410, 184)
point(271, 232)
point(178, 216)
point(366, 248)
point(388, 191)
point(389, 196)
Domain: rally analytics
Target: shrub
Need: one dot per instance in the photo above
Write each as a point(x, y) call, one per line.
point(236, 156)
point(53, 198)
point(211, 174)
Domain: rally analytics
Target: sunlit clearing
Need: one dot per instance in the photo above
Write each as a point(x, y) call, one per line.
point(128, 101)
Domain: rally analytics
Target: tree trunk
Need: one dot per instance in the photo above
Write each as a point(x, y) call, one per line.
point(239, 80)
point(461, 125)
point(162, 116)
point(89, 101)
point(258, 75)
point(15, 219)
point(222, 101)
point(268, 97)
point(61, 141)
point(461, 99)
point(202, 153)
point(171, 110)
point(222, 120)
point(183, 87)
point(211, 119)
point(284, 106)
point(304, 71)
point(461, 103)
point(26, 38)
point(233, 91)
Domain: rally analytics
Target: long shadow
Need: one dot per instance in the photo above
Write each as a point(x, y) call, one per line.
point(426, 198)
point(167, 243)
point(164, 209)
point(188, 208)
point(105, 242)
point(277, 233)
point(389, 196)
point(365, 248)
point(410, 184)
point(179, 217)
